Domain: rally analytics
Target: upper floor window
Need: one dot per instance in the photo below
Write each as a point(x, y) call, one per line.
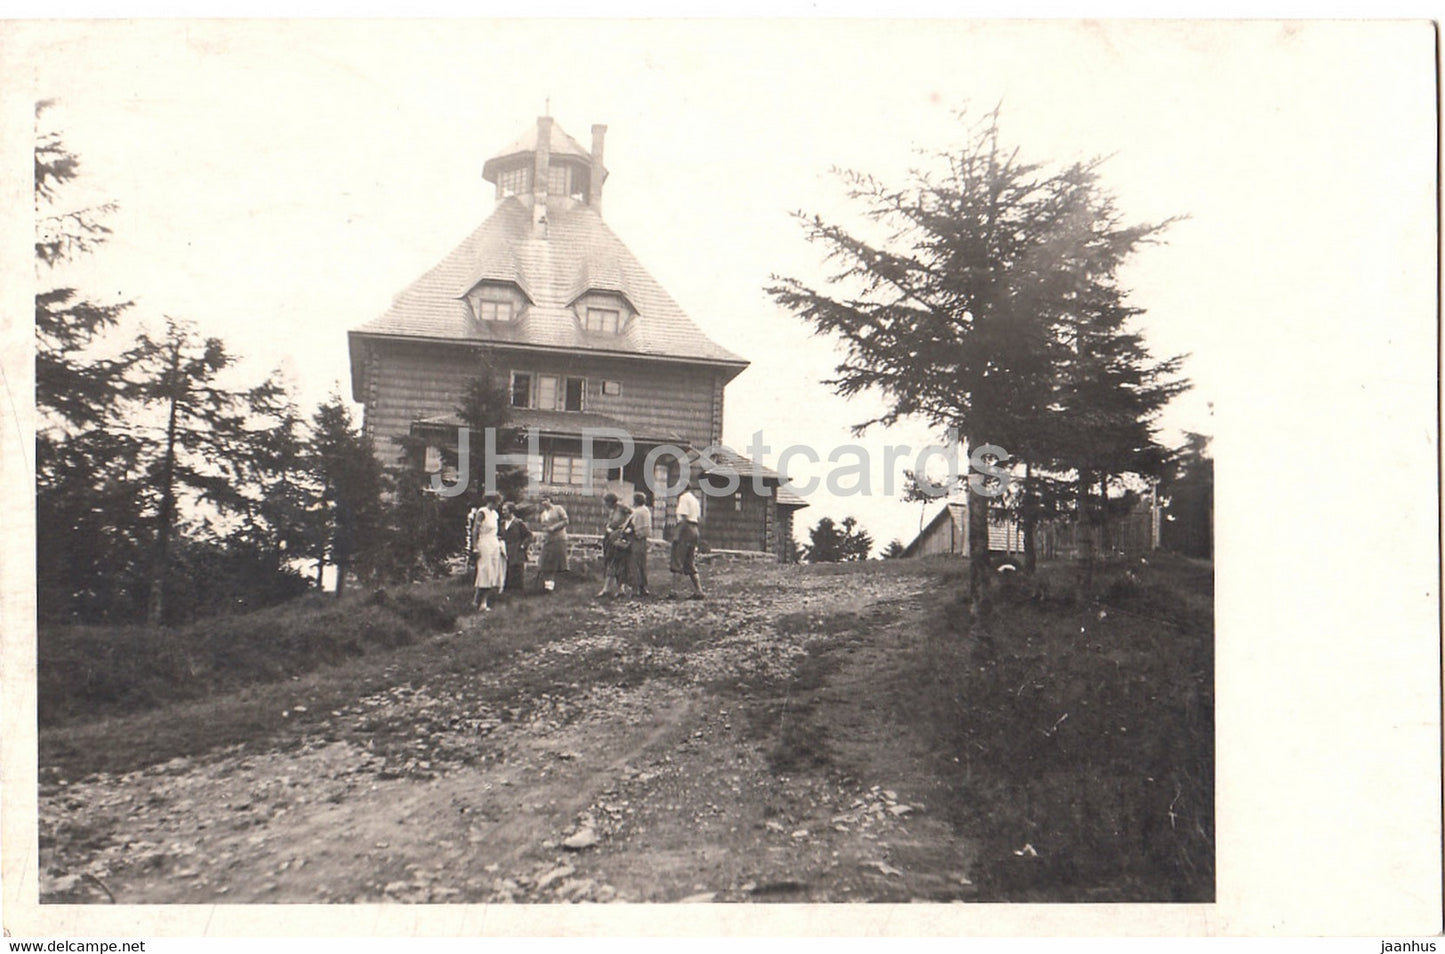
point(514, 181)
point(603, 319)
point(548, 392)
point(521, 390)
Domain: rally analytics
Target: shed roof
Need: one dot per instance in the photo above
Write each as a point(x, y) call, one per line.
point(746, 468)
point(950, 511)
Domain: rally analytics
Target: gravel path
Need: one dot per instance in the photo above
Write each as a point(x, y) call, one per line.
point(663, 752)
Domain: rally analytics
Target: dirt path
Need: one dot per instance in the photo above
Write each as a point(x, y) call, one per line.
point(730, 750)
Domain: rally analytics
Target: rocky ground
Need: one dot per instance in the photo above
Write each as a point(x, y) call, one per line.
point(728, 750)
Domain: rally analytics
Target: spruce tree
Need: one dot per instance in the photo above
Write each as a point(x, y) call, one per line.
point(989, 307)
point(202, 446)
point(90, 538)
point(351, 482)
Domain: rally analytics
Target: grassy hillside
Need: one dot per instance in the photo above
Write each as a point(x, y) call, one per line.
point(1078, 733)
point(89, 671)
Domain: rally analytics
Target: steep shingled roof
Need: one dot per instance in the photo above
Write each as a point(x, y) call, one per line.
point(577, 251)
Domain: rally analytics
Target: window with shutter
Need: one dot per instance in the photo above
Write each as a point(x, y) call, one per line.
point(547, 387)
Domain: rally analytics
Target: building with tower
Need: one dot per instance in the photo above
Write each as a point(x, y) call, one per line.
point(545, 297)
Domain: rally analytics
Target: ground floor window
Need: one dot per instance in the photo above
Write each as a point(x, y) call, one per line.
point(570, 469)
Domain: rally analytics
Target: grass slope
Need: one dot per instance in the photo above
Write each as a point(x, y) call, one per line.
point(1078, 735)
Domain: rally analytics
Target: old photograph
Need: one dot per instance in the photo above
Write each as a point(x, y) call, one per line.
point(721, 463)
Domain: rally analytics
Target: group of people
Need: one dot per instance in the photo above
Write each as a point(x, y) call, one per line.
point(498, 539)
point(497, 542)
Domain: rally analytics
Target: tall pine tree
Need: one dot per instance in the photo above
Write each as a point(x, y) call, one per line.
point(984, 308)
point(90, 537)
point(203, 445)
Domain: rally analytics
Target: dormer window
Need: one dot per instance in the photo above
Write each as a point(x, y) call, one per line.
point(607, 320)
point(492, 302)
point(494, 310)
point(603, 310)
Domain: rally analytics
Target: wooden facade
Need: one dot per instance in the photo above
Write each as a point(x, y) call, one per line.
point(413, 380)
point(547, 300)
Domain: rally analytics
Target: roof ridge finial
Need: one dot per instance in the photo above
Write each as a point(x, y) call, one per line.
point(547, 106)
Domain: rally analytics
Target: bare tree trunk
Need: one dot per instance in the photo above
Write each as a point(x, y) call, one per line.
point(155, 612)
point(1084, 529)
point(1106, 528)
point(1029, 514)
point(978, 575)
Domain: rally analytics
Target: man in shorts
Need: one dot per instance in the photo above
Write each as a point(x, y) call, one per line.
point(552, 520)
point(684, 543)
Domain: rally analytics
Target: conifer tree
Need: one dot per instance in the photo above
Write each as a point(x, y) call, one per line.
point(351, 483)
point(202, 443)
point(989, 306)
point(89, 532)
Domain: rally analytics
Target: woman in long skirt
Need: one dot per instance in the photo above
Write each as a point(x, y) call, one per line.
point(615, 544)
point(491, 557)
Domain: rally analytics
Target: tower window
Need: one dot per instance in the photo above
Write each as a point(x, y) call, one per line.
point(514, 181)
point(607, 320)
point(558, 180)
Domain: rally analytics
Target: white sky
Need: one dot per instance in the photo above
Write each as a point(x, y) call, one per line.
point(279, 182)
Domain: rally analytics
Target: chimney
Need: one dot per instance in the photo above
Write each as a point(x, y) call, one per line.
point(594, 178)
point(540, 170)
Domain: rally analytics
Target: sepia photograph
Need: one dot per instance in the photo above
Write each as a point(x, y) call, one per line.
point(663, 466)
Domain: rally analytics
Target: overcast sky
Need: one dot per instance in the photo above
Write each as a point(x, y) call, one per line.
point(279, 182)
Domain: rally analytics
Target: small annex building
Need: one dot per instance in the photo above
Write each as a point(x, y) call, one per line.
point(947, 532)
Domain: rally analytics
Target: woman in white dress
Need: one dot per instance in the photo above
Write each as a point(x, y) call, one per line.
point(490, 553)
